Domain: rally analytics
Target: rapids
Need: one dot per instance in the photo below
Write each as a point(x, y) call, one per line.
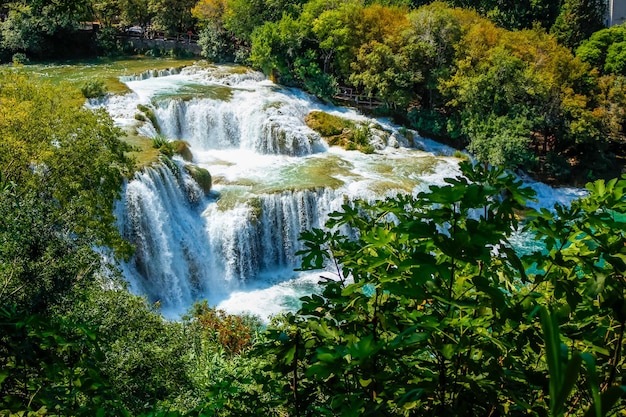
point(273, 178)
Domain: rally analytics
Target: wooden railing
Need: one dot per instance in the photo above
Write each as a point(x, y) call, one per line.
point(351, 95)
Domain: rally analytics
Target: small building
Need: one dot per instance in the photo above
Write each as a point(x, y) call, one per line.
point(615, 12)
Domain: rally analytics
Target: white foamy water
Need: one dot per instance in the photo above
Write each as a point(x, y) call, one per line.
point(273, 178)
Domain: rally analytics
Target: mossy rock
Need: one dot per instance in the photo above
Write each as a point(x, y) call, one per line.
point(338, 131)
point(149, 113)
point(328, 125)
point(181, 148)
point(201, 176)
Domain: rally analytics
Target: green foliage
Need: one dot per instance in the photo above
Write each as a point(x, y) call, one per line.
point(313, 78)
point(514, 14)
point(44, 29)
point(217, 45)
point(243, 17)
point(52, 366)
point(616, 59)
point(600, 45)
point(146, 359)
point(276, 45)
point(327, 124)
point(164, 145)
point(93, 89)
point(19, 58)
point(577, 20)
point(500, 140)
point(556, 166)
point(55, 189)
point(21, 31)
point(108, 43)
point(458, 77)
point(387, 75)
point(55, 209)
point(171, 16)
point(431, 310)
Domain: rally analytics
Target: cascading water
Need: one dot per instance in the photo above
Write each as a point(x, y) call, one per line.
point(273, 178)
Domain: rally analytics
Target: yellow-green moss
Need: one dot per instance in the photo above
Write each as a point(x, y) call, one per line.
point(180, 147)
point(149, 114)
point(338, 131)
point(460, 155)
point(143, 150)
point(326, 124)
point(201, 176)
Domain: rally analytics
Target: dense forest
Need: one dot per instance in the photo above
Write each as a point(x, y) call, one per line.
point(429, 310)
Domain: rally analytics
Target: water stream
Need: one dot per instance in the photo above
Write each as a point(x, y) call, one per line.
point(273, 178)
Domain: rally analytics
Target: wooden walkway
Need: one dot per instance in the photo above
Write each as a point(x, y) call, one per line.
point(351, 95)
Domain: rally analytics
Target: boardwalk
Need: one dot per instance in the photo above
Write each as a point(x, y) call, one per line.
point(351, 95)
point(179, 42)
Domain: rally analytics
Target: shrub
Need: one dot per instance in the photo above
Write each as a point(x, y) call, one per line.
point(361, 135)
point(232, 332)
point(164, 146)
point(19, 58)
point(93, 89)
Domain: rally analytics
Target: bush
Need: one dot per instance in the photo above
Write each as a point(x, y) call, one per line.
point(232, 332)
point(93, 89)
point(361, 135)
point(19, 58)
point(556, 166)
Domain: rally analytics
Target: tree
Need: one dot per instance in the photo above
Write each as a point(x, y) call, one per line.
point(210, 11)
point(171, 16)
point(497, 109)
point(386, 74)
point(612, 106)
point(21, 31)
point(384, 64)
point(61, 170)
point(46, 135)
point(244, 16)
point(605, 50)
point(107, 11)
point(134, 12)
point(36, 27)
point(577, 20)
point(343, 30)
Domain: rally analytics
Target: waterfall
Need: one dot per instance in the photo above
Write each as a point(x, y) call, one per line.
point(159, 216)
point(273, 178)
point(247, 121)
point(150, 74)
point(189, 248)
